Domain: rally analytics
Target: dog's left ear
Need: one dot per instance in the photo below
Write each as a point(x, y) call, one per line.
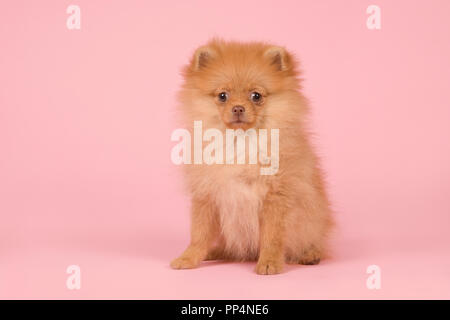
point(278, 57)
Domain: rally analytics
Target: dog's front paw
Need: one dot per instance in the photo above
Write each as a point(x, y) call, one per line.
point(269, 267)
point(184, 263)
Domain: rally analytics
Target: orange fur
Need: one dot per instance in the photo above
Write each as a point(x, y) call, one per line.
point(236, 212)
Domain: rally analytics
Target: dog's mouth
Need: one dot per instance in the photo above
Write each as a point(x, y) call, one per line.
point(238, 124)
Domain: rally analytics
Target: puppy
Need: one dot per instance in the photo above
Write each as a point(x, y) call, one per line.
point(237, 212)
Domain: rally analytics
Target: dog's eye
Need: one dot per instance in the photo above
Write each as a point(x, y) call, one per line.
point(255, 96)
point(223, 96)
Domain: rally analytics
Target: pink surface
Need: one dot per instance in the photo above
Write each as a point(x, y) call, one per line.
point(85, 123)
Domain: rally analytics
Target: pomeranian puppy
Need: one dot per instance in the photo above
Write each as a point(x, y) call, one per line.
point(237, 212)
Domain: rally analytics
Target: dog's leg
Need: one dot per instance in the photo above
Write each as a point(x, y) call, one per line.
point(316, 224)
point(204, 230)
point(310, 256)
point(217, 252)
point(312, 234)
point(272, 229)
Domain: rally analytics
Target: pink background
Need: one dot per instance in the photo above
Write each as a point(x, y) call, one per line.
point(85, 123)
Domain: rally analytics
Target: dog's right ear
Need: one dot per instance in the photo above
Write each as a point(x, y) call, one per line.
point(202, 57)
point(279, 57)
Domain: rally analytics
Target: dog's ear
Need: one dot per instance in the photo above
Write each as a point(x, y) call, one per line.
point(202, 57)
point(278, 57)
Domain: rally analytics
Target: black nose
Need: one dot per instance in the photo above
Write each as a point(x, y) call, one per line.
point(238, 110)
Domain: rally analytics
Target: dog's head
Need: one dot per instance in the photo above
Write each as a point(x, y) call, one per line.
point(240, 85)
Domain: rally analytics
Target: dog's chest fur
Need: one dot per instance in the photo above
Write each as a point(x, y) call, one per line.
point(239, 200)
